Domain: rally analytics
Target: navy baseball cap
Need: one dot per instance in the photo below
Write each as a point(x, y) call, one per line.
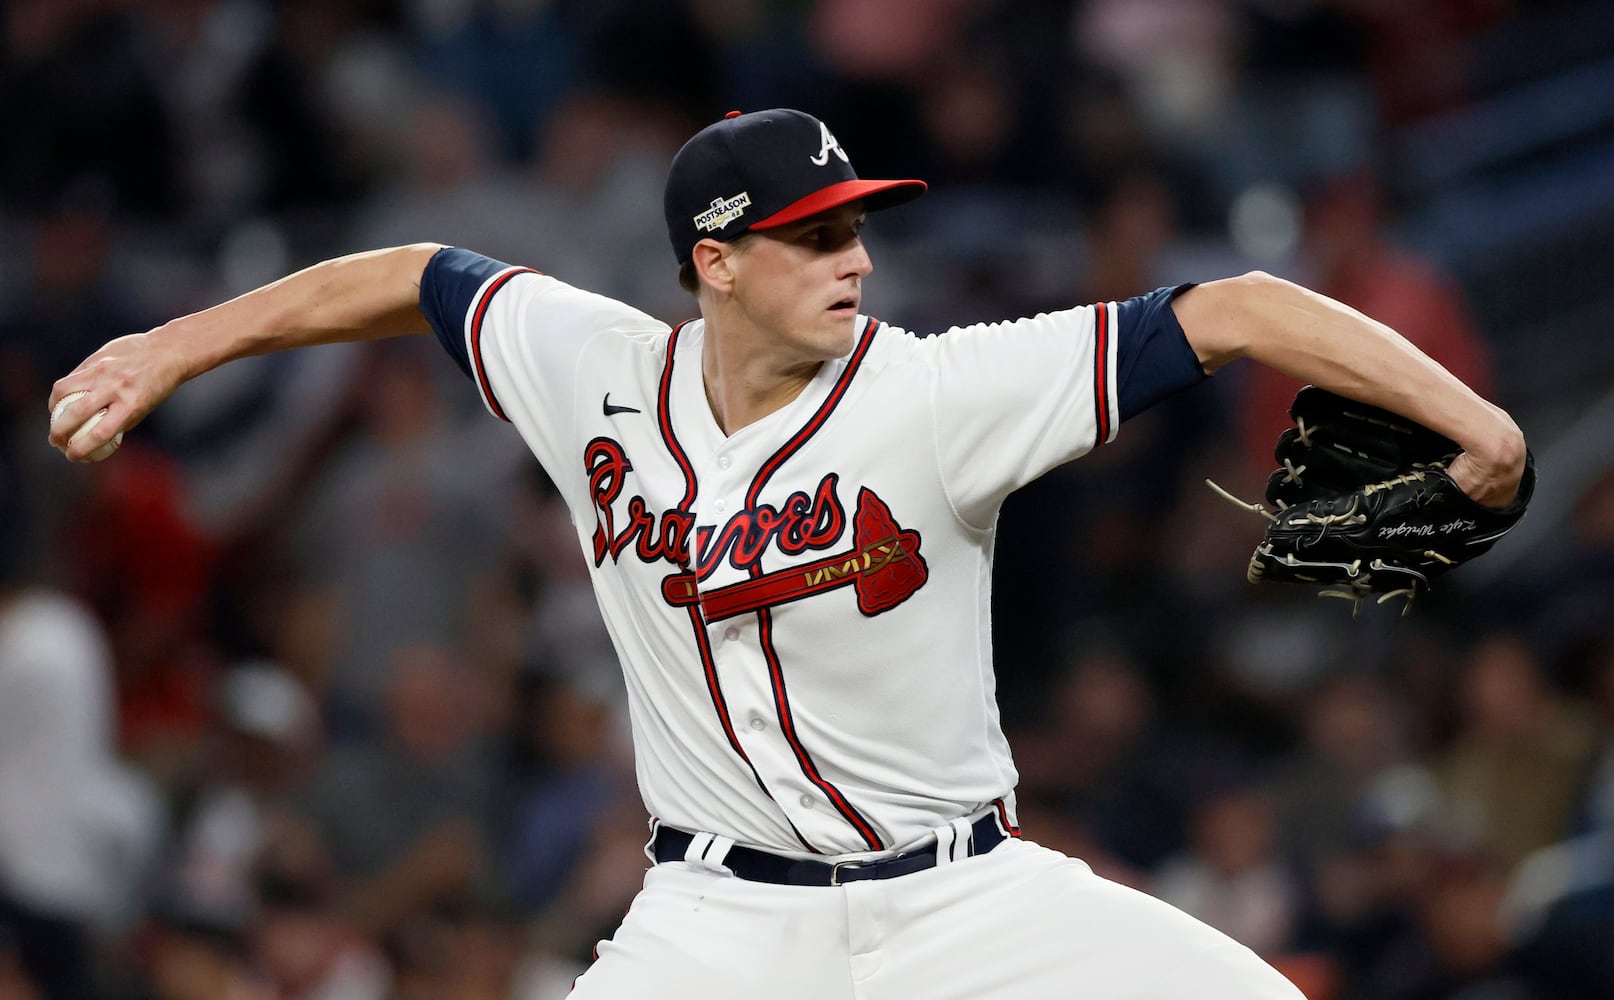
point(761, 170)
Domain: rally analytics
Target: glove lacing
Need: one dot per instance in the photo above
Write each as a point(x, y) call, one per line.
point(1348, 517)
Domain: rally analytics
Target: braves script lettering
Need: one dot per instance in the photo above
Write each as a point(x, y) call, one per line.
point(799, 524)
point(802, 523)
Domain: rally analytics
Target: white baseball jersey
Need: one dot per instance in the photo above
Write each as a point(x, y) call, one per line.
point(802, 608)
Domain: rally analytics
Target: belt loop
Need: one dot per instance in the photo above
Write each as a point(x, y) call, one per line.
point(946, 838)
point(708, 850)
point(964, 839)
point(954, 842)
point(650, 845)
point(699, 844)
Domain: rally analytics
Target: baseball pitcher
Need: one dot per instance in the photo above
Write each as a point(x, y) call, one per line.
point(788, 508)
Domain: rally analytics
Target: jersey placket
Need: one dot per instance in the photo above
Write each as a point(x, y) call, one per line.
point(743, 670)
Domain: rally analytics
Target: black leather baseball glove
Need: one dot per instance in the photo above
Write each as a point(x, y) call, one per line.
point(1361, 503)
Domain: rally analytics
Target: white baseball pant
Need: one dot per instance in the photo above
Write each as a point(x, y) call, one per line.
point(1021, 921)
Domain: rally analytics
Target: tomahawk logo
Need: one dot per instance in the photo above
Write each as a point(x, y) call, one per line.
point(723, 212)
point(828, 145)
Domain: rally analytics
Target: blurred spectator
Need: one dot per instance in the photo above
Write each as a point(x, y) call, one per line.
point(407, 502)
point(450, 186)
point(975, 130)
point(1569, 586)
point(473, 951)
point(901, 40)
point(308, 949)
point(145, 566)
point(1522, 756)
point(1233, 878)
point(587, 208)
point(602, 165)
point(573, 765)
point(764, 56)
point(79, 96)
point(68, 302)
point(1300, 106)
point(1176, 59)
point(188, 962)
point(1132, 221)
point(1559, 909)
point(574, 784)
point(1353, 731)
point(77, 829)
point(304, 98)
point(1420, 55)
point(512, 60)
point(430, 777)
point(207, 49)
point(1364, 898)
point(655, 56)
point(1459, 949)
point(602, 885)
point(1099, 759)
point(259, 754)
point(1559, 914)
point(1595, 810)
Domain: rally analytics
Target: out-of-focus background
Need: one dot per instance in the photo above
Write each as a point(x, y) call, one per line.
point(304, 694)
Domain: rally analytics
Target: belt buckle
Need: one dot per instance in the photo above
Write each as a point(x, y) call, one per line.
point(835, 869)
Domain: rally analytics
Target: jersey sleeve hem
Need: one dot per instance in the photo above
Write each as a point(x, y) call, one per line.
point(1152, 357)
point(455, 292)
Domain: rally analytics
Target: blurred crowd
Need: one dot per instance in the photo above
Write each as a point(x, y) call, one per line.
point(304, 694)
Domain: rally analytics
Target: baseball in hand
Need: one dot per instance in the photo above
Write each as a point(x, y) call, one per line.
point(99, 453)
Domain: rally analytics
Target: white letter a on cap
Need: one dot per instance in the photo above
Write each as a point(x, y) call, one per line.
point(829, 145)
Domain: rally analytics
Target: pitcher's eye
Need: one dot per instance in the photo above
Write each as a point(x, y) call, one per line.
point(831, 237)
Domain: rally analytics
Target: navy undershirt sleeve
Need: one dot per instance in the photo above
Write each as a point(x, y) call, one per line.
point(448, 287)
point(1154, 358)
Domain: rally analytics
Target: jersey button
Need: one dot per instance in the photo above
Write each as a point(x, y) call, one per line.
point(806, 801)
point(731, 633)
point(757, 723)
point(724, 462)
point(720, 505)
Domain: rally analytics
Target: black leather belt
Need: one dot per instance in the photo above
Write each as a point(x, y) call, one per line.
point(760, 866)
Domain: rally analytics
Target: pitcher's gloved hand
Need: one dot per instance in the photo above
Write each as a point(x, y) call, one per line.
point(1363, 505)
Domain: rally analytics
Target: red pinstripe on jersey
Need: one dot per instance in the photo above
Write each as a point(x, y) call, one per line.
point(664, 422)
point(787, 724)
point(476, 337)
point(676, 450)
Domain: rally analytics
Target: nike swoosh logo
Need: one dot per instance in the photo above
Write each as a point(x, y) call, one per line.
point(612, 410)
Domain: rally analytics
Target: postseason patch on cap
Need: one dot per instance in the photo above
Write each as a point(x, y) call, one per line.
point(723, 212)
